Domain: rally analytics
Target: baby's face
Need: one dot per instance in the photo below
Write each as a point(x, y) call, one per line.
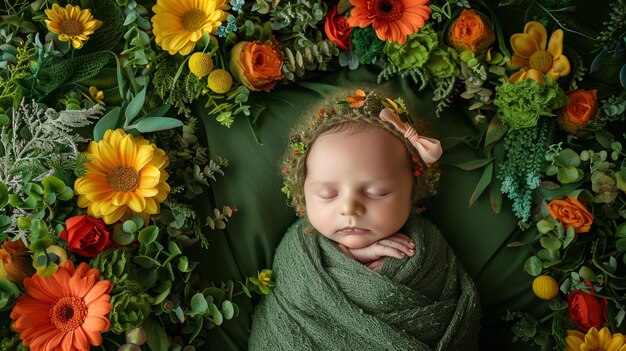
point(358, 186)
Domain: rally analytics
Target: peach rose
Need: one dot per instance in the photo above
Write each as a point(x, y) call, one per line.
point(470, 31)
point(571, 213)
point(582, 108)
point(256, 65)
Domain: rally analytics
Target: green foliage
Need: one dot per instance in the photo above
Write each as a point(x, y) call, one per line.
point(366, 44)
point(521, 172)
point(615, 27)
point(37, 137)
point(10, 91)
point(416, 52)
point(177, 92)
point(131, 306)
point(521, 104)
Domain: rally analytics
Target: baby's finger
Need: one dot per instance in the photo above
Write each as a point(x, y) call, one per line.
point(399, 244)
point(375, 265)
point(384, 250)
point(409, 242)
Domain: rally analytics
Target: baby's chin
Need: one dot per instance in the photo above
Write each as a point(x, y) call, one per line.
point(356, 242)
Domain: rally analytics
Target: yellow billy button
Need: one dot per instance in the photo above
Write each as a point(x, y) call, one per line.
point(200, 64)
point(220, 81)
point(545, 287)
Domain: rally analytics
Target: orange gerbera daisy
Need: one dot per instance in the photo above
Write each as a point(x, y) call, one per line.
point(66, 311)
point(536, 56)
point(393, 20)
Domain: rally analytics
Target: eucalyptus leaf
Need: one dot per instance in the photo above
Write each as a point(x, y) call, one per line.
point(198, 304)
point(107, 122)
point(533, 266)
point(154, 124)
point(135, 105)
point(148, 234)
point(155, 335)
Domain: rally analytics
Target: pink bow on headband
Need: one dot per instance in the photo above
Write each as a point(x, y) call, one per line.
point(429, 149)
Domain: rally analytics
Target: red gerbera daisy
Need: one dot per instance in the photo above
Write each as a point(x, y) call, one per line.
point(393, 20)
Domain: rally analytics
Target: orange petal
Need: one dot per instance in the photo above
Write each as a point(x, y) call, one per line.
point(538, 31)
point(555, 47)
point(524, 44)
point(95, 323)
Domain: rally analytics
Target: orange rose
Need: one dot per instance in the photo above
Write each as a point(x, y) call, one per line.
point(17, 261)
point(571, 213)
point(256, 65)
point(582, 107)
point(470, 31)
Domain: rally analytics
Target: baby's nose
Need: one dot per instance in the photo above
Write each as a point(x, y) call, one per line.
point(351, 207)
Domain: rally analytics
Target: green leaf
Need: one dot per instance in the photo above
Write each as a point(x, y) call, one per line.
point(4, 195)
point(586, 273)
point(148, 234)
point(155, 335)
point(153, 124)
point(495, 131)
point(533, 266)
point(568, 157)
point(567, 174)
point(569, 237)
point(473, 164)
point(621, 230)
point(135, 105)
point(183, 264)
point(621, 244)
point(159, 111)
point(198, 304)
point(227, 309)
point(484, 181)
point(107, 122)
point(173, 248)
point(129, 226)
point(550, 243)
point(121, 237)
point(544, 226)
point(218, 319)
point(199, 321)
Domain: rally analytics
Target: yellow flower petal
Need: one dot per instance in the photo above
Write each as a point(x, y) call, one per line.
point(592, 338)
point(555, 46)
point(538, 31)
point(114, 216)
point(519, 61)
point(536, 75)
point(136, 203)
point(604, 336)
point(518, 76)
point(111, 159)
point(127, 152)
point(615, 343)
point(560, 68)
point(524, 44)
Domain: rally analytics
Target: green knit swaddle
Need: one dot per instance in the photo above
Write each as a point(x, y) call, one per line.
point(325, 300)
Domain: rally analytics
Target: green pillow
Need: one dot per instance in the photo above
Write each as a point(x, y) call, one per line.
point(253, 182)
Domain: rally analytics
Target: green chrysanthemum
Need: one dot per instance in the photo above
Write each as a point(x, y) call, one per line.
point(417, 50)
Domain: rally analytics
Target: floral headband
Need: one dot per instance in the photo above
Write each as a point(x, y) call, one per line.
point(359, 107)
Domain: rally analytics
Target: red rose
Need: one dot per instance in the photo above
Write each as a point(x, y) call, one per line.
point(86, 236)
point(586, 311)
point(337, 29)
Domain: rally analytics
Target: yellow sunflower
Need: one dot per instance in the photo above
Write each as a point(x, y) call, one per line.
point(71, 23)
point(531, 56)
point(125, 177)
point(594, 341)
point(178, 24)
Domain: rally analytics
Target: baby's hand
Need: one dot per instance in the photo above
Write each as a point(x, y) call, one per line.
point(397, 245)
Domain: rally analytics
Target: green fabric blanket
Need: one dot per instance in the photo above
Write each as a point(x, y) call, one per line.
point(324, 300)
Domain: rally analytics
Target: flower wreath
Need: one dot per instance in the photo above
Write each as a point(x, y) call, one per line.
point(370, 108)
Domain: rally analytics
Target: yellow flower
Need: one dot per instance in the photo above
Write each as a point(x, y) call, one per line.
point(178, 25)
point(125, 177)
point(531, 56)
point(594, 341)
point(96, 96)
point(71, 23)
